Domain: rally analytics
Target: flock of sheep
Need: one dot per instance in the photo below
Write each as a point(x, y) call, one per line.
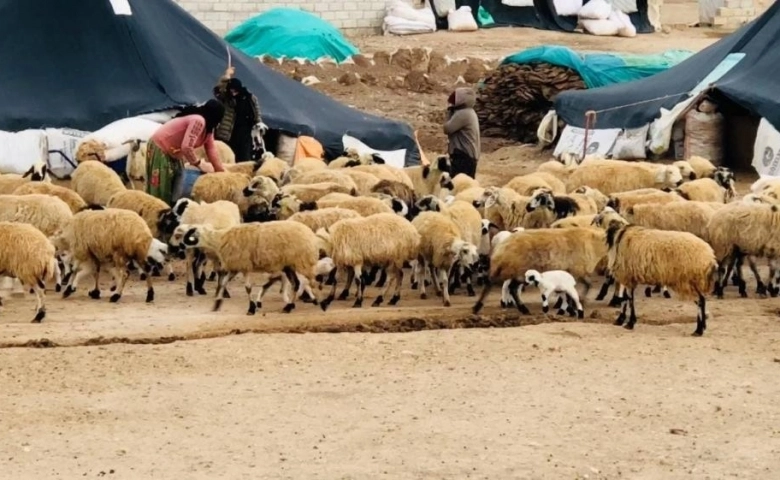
point(675, 227)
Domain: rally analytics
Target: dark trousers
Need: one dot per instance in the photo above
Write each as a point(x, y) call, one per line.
point(241, 144)
point(463, 163)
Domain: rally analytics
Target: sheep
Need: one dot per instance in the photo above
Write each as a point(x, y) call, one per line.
point(526, 184)
point(397, 190)
point(703, 190)
point(739, 230)
point(272, 247)
point(386, 172)
point(30, 257)
point(272, 167)
point(426, 178)
point(365, 206)
point(384, 240)
point(498, 238)
point(319, 176)
point(575, 221)
point(96, 183)
point(759, 198)
point(504, 207)
point(621, 202)
point(232, 187)
point(323, 218)
point(598, 198)
point(309, 163)
point(441, 247)
point(614, 176)
point(686, 170)
point(702, 167)
point(560, 168)
point(560, 282)
point(90, 150)
point(364, 182)
point(578, 250)
point(764, 183)
point(679, 260)
point(247, 168)
point(555, 207)
point(38, 173)
point(219, 215)
point(71, 198)
point(462, 182)
point(47, 213)
point(314, 191)
point(352, 158)
point(97, 237)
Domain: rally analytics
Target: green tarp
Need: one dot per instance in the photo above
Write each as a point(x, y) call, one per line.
point(290, 33)
point(601, 69)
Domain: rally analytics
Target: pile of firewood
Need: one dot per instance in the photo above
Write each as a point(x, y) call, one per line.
point(515, 98)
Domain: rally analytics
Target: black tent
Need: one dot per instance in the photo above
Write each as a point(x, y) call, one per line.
point(80, 65)
point(749, 84)
point(542, 15)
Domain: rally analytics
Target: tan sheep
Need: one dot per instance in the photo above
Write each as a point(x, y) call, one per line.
point(397, 190)
point(598, 198)
point(71, 198)
point(272, 167)
point(212, 187)
point(621, 202)
point(441, 247)
point(384, 240)
point(365, 206)
point(701, 166)
point(96, 183)
point(462, 182)
point(314, 191)
point(544, 208)
point(28, 256)
point(47, 213)
point(323, 218)
point(644, 256)
point(703, 190)
point(319, 176)
point(614, 176)
point(38, 173)
point(364, 182)
point(504, 207)
point(247, 168)
point(686, 170)
point(426, 178)
point(526, 184)
point(386, 172)
point(308, 163)
point(150, 208)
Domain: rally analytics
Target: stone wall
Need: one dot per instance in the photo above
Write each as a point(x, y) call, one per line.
point(348, 15)
point(734, 14)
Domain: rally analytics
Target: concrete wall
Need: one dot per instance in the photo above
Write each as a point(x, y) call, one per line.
point(349, 15)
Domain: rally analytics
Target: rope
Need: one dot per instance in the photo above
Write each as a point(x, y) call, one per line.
point(640, 102)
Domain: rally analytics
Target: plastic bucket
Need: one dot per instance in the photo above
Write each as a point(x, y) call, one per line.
point(189, 180)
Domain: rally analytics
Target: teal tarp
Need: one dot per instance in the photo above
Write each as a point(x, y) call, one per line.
point(601, 69)
point(286, 32)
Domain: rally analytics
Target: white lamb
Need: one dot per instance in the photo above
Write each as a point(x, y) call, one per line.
point(560, 282)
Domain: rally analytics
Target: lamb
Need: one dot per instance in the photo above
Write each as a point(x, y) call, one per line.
point(679, 260)
point(614, 176)
point(426, 178)
point(739, 230)
point(28, 256)
point(386, 172)
point(323, 218)
point(71, 198)
point(219, 215)
point(97, 237)
point(95, 182)
point(621, 202)
point(560, 282)
point(38, 173)
point(551, 208)
point(703, 190)
point(526, 184)
point(364, 182)
point(272, 247)
point(314, 191)
point(578, 250)
point(441, 247)
point(383, 240)
point(272, 167)
point(285, 205)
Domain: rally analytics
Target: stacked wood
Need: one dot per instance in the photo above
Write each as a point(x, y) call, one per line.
point(515, 98)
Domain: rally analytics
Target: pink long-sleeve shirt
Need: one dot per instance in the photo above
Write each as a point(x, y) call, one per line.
point(181, 136)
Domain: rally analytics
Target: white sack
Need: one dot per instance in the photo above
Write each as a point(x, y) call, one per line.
point(518, 3)
point(443, 7)
point(595, 10)
point(602, 28)
point(626, 29)
point(567, 8)
point(19, 151)
point(461, 20)
point(62, 144)
point(766, 150)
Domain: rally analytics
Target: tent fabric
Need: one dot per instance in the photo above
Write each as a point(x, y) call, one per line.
point(542, 16)
point(98, 67)
point(290, 33)
point(751, 84)
point(601, 69)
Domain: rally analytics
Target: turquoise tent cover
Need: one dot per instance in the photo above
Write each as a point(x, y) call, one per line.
point(286, 32)
point(601, 69)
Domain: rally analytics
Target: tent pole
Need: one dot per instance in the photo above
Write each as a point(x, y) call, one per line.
point(590, 121)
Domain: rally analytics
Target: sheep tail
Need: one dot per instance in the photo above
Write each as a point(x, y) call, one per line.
point(51, 271)
point(710, 279)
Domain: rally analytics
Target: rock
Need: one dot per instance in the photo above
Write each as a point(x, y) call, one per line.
point(361, 60)
point(420, 60)
point(349, 78)
point(402, 58)
point(436, 62)
point(368, 79)
point(269, 60)
point(310, 80)
point(474, 73)
point(381, 58)
point(420, 83)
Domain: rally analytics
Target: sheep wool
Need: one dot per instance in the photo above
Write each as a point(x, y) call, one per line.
point(71, 198)
point(386, 172)
point(323, 218)
point(272, 167)
point(314, 191)
point(47, 213)
point(643, 256)
point(384, 240)
point(38, 173)
point(702, 167)
point(28, 256)
point(462, 182)
point(320, 176)
point(150, 208)
point(692, 217)
point(397, 190)
point(614, 176)
point(364, 182)
point(96, 183)
point(527, 184)
point(703, 190)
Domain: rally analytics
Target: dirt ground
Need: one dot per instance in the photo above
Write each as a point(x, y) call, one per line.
point(173, 390)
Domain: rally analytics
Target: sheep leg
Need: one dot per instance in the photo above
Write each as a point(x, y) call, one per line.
point(370, 276)
point(171, 275)
point(559, 303)
point(399, 278)
point(95, 293)
point(122, 274)
point(189, 262)
point(40, 301)
point(444, 279)
point(506, 298)
point(386, 286)
point(350, 278)
point(421, 266)
point(740, 260)
point(358, 269)
point(482, 296)
point(619, 296)
point(333, 283)
point(701, 317)
point(760, 286)
point(514, 286)
point(469, 273)
point(605, 288)
point(632, 317)
point(58, 278)
point(382, 278)
point(149, 289)
point(574, 296)
point(222, 281)
point(437, 286)
point(199, 264)
point(454, 276)
point(294, 284)
point(81, 270)
point(258, 301)
point(621, 319)
point(414, 278)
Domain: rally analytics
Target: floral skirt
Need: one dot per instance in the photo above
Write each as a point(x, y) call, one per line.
point(163, 174)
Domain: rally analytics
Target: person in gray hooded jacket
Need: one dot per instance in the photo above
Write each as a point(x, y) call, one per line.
point(462, 129)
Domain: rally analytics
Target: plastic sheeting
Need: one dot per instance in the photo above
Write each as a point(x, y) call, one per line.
point(601, 69)
point(290, 33)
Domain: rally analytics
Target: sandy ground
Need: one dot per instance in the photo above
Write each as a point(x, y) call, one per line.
point(114, 390)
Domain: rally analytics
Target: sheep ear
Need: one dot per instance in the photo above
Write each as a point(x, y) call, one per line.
point(378, 159)
point(308, 206)
point(353, 192)
point(692, 176)
point(426, 170)
point(443, 163)
point(28, 173)
point(189, 237)
point(352, 163)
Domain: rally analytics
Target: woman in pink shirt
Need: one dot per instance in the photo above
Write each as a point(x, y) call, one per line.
point(175, 142)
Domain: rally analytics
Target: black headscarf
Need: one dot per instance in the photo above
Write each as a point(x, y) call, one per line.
point(212, 111)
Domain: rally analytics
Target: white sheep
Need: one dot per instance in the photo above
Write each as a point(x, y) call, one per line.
point(560, 282)
point(9, 182)
point(28, 255)
point(614, 176)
